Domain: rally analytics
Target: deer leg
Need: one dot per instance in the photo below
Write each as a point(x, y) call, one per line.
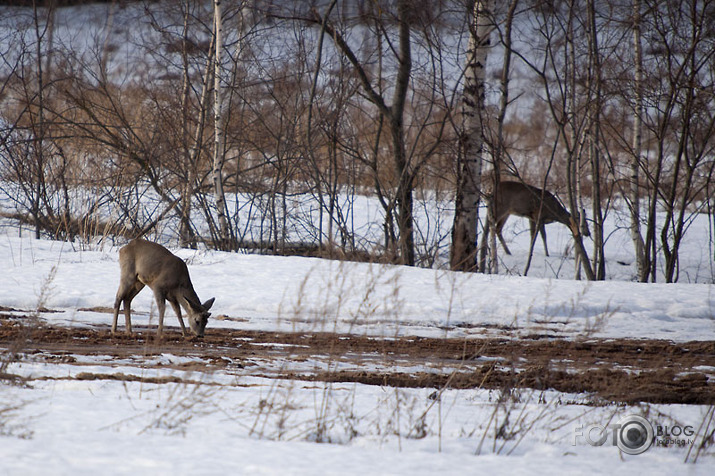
point(543, 237)
point(161, 305)
point(500, 225)
point(128, 316)
point(117, 302)
point(532, 230)
point(125, 295)
point(138, 286)
point(177, 310)
point(483, 248)
point(122, 293)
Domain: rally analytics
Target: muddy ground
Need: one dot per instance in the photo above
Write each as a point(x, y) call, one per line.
point(623, 370)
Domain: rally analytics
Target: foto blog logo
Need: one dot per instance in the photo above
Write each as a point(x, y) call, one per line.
point(632, 434)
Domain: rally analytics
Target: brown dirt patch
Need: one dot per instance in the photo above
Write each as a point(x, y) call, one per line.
point(622, 370)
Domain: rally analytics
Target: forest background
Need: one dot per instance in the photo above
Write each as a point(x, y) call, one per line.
point(264, 126)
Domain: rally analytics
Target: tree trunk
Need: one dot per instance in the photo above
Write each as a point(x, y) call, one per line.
point(406, 242)
point(219, 149)
point(186, 233)
point(583, 263)
point(394, 113)
point(464, 231)
point(635, 164)
point(594, 131)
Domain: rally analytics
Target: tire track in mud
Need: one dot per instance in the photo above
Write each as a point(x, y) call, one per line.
point(611, 370)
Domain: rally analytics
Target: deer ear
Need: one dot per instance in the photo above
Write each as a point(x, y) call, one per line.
point(207, 305)
point(194, 305)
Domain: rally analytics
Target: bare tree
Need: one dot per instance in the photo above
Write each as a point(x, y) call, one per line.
point(499, 143)
point(219, 141)
point(594, 138)
point(393, 113)
point(33, 158)
point(464, 233)
point(681, 123)
point(271, 147)
point(636, 159)
point(556, 65)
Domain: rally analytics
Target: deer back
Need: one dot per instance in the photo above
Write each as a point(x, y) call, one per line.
point(516, 198)
point(157, 267)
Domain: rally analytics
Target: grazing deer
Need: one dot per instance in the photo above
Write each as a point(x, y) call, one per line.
point(539, 206)
point(144, 263)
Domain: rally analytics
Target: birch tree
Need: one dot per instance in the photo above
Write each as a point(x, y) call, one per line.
point(463, 255)
point(635, 163)
point(594, 137)
point(219, 140)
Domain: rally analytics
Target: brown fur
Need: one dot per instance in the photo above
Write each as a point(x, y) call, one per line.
point(143, 263)
point(539, 206)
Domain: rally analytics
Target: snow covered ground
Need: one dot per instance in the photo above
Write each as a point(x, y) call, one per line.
point(169, 420)
point(314, 294)
point(219, 423)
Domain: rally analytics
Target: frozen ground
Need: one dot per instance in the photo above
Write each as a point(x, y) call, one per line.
point(158, 413)
point(168, 416)
point(313, 294)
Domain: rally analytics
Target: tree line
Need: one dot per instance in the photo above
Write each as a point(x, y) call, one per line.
point(264, 125)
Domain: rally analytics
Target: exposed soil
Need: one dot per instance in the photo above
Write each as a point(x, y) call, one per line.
point(623, 370)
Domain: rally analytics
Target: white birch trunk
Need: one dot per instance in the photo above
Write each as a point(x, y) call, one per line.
point(636, 236)
point(219, 149)
point(464, 232)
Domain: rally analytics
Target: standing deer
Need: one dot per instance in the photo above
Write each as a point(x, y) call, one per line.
point(539, 206)
point(144, 263)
